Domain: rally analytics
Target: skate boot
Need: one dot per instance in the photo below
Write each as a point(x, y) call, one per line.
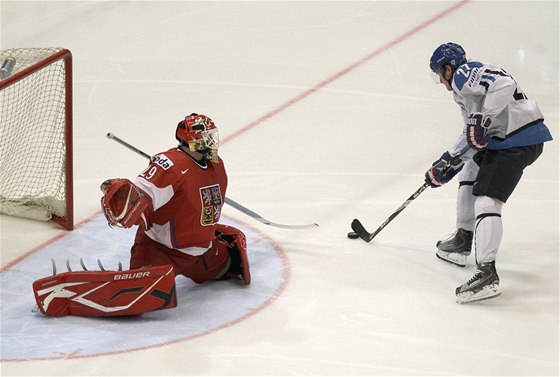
point(483, 285)
point(456, 248)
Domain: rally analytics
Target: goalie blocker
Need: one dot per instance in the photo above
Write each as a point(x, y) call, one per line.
point(106, 293)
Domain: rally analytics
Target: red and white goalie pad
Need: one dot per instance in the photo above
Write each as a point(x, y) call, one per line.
point(106, 293)
point(235, 240)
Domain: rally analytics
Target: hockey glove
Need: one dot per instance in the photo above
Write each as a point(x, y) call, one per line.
point(477, 130)
point(443, 170)
point(123, 204)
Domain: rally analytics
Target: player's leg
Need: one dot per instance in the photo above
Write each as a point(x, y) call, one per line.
point(488, 235)
point(146, 252)
point(457, 247)
point(200, 268)
point(226, 258)
point(236, 243)
point(500, 172)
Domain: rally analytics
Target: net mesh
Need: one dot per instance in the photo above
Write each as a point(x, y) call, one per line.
point(32, 137)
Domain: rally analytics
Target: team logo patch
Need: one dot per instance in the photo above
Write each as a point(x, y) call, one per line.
point(163, 161)
point(211, 197)
point(475, 77)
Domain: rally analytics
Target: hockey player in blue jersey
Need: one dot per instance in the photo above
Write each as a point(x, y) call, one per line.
point(505, 132)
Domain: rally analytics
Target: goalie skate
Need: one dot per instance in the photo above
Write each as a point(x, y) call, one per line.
point(483, 285)
point(456, 248)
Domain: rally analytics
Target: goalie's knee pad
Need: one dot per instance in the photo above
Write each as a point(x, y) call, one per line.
point(106, 293)
point(236, 242)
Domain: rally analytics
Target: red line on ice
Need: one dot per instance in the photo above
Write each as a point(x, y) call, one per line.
point(343, 72)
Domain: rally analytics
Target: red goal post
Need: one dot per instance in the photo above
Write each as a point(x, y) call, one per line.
point(36, 134)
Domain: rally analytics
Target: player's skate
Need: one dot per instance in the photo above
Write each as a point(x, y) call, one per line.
point(483, 285)
point(456, 248)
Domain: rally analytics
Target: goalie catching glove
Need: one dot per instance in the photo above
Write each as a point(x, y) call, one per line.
point(123, 204)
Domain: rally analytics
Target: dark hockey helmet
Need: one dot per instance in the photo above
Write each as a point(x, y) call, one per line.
point(447, 54)
point(200, 134)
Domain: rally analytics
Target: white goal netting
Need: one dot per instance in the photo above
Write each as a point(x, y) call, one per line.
point(32, 134)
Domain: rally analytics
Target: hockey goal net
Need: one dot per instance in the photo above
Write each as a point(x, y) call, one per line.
point(36, 134)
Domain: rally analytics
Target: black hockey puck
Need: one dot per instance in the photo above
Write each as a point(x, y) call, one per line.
point(353, 235)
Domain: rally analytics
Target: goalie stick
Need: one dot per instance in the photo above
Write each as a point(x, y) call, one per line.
point(229, 201)
point(359, 231)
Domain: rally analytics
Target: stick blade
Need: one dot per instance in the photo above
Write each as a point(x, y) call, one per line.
point(361, 231)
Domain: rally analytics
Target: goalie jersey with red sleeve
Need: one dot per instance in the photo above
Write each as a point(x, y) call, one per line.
point(186, 199)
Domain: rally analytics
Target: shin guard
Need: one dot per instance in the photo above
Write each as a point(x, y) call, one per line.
point(488, 229)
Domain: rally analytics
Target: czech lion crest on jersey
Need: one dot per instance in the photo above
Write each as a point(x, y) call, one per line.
point(211, 197)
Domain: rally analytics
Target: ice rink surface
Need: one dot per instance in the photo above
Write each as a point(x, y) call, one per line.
point(327, 112)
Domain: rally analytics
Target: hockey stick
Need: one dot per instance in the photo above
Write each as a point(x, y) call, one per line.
point(229, 201)
point(361, 232)
point(258, 217)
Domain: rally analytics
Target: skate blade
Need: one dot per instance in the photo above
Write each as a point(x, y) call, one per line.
point(485, 294)
point(457, 259)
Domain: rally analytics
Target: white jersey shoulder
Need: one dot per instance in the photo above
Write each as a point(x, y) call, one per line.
point(488, 89)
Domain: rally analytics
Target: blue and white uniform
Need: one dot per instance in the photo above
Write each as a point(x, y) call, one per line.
point(518, 132)
point(485, 88)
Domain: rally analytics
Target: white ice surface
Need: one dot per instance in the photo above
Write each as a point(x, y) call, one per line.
point(327, 112)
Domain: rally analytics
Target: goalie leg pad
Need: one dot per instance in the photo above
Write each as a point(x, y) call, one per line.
point(236, 242)
point(106, 293)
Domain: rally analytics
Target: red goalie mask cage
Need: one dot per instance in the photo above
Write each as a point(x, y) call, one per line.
point(36, 134)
